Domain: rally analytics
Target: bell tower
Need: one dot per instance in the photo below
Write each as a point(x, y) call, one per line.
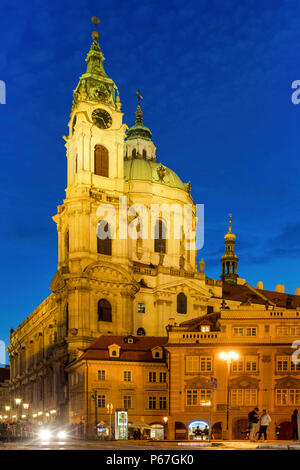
point(96, 132)
point(95, 165)
point(229, 260)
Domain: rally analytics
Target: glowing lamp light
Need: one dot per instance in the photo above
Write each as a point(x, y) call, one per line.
point(165, 418)
point(18, 401)
point(228, 356)
point(25, 406)
point(7, 408)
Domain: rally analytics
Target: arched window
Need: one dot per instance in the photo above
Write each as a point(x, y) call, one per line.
point(181, 303)
point(160, 234)
point(104, 310)
point(134, 153)
point(144, 154)
point(141, 332)
point(101, 161)
point(104, 246)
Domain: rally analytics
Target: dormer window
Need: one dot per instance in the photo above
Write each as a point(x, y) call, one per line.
point(114, 350)
point(129, 339)
point(205, 328)
point(157, 352)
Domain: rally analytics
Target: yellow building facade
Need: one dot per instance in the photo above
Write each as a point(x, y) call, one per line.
point(264, 375)
point(120, 373)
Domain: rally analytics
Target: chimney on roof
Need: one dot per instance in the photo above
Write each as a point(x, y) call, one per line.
point(260, 285)
point(297, 291)
point(279, 288)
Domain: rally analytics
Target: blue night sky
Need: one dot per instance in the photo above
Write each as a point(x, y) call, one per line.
point(216, 79)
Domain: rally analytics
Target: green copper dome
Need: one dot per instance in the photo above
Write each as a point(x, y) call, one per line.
point(147, 170)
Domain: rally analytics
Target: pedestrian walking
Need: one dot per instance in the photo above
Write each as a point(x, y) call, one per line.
point(265, 420)
point(253, 417)
point(295, 425)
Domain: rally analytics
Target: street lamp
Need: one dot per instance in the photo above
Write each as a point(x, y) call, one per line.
point(228, 357)
point(165, 419)
point(110, 408)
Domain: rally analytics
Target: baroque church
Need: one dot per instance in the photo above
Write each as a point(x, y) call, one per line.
point(117, 285)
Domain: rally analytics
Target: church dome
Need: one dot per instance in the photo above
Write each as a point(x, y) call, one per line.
point(154, 172)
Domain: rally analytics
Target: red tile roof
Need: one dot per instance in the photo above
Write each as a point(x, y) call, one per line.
point(242, 293)
point(138, 351)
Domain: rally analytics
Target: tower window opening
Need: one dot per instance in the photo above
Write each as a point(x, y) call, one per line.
point(104, 245)
point(134, 153)
point(160, 234)
point(104, 311)
point(144, 154)
point(101, 161)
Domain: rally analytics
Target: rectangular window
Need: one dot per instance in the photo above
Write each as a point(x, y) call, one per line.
point(101, 401)
point(101, 375)
point(250, 397)
point(141, 307)
point(205, 364)
point(204, 397)
point(163, 377)
point(251, 364)
point(192, 364)
point(289, 397)
point(205, 329)
point(248, 331)
point(238, 331)
point(191, 397)
point(237, 366)
point(243, 397)
point(127, 403)
point(127, 375)
point(152, 403)
point(152, 377)
point(282, 363)
point(162, 403)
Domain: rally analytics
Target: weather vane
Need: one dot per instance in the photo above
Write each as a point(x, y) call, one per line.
point(139, 96)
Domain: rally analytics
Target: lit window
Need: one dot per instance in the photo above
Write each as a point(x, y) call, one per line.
point(141, 307)
point(205, 328)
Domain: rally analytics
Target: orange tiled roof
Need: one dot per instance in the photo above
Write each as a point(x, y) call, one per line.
point(138, 351)
point(242, 293)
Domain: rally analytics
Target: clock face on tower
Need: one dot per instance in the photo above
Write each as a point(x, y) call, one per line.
point(102, 118)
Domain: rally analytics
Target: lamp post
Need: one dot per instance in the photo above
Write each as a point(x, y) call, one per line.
point(165, 418)
point(228, 357)
point(110, 408)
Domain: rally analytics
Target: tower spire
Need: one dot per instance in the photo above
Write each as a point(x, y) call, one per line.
point(139, 112)
point(229, 260)
point(95, 85)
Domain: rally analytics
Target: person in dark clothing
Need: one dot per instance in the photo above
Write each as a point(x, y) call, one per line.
point(253, 423)
point(295, 425)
